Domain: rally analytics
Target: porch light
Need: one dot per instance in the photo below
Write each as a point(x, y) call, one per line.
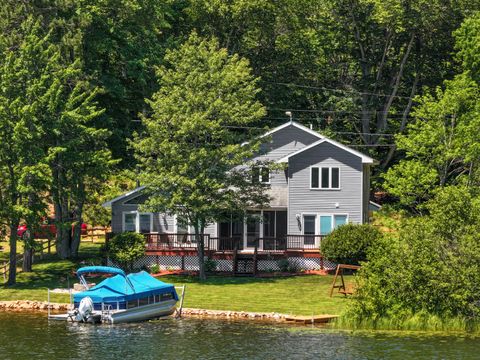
point(337, 205)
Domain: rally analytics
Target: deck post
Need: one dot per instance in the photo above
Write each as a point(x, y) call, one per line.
point(255, 253)
point(235, 260)
point(183, 262)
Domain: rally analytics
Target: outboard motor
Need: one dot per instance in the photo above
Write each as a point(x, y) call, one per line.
point(85, 309)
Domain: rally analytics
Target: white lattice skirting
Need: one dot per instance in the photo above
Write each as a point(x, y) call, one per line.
point(224, 265)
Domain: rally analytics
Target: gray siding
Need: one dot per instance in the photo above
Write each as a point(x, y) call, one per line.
point(162, 223)
point(304, 200)
point(280, 144)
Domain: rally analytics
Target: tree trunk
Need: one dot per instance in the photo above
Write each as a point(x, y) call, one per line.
point(77, 218)
point(12, 270)
point(27, 259)
point(199, 226)
point(64, 230)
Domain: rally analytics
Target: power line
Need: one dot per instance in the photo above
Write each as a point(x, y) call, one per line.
point(334, 111)
point(371, 145)
point(333, 89)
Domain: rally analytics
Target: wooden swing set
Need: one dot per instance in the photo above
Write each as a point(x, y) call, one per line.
point(342, 288)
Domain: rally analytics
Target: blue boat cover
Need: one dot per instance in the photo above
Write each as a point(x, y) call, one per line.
point(117, 289)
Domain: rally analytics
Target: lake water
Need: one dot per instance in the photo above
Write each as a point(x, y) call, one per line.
point(31, 336)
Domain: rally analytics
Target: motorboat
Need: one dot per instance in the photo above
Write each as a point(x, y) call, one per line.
point(121, 298)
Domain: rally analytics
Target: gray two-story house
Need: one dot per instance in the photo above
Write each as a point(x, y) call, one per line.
point(323, 184)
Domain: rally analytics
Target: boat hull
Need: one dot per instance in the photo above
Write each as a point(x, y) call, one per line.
point(142, 313)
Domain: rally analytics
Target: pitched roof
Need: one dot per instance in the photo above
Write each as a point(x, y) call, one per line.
point(123, 196)
point(365, 159)
point(297, 125)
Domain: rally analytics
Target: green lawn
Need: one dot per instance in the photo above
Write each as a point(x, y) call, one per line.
point(50, 273)
point(299, 295)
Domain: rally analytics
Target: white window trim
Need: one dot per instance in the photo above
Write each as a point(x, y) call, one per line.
point(137, 220)
point(317, 220)
point(329, 178)
point(260, 175)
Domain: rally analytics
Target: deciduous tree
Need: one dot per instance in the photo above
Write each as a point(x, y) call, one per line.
point(190, 153)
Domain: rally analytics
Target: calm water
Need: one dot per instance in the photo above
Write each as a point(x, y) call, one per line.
point(31, 336)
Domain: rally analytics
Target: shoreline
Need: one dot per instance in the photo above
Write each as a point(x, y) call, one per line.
point(43, 306)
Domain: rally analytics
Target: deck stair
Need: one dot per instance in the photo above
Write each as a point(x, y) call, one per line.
point(245, 264)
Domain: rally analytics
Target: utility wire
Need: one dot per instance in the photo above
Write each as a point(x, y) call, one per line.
point(333, 89)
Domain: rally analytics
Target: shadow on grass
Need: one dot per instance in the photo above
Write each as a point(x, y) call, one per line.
point(232, 280)
point(52, 272)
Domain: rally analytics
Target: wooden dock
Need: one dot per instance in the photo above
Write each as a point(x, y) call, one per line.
point(315, 319)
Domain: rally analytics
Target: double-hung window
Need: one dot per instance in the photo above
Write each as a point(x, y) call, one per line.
point(137, 222)
point(324, 178)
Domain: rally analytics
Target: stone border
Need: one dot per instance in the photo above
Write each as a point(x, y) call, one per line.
point(29, 305)
point(233, 315)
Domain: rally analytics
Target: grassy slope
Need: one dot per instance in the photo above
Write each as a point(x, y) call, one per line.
point(50, 273)
point(299, 295)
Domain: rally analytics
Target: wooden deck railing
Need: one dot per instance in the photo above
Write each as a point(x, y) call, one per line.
point(155, 241)
point(174, 241)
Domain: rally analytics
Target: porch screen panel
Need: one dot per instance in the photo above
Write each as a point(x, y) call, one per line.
point(237, 232)
point(269, 230)
point(130, 222)
point(325, 225)
point(145, 220)
point(281, 230)
point(281, 225)
point(253, 229)
point(269, 224)
point(225, 229)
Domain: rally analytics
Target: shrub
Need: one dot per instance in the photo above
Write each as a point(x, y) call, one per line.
point(155, 269)
point(210, 265)
point(284, 265)
point(428, 271)
point(350, 243)
point(125, 248)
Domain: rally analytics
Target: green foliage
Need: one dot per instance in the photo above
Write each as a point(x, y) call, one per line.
point(210, 265)
point(154, 269)
point(441, 146)
point(125, 248)
point(430, 270)
point(350, 243)
point(284, 265)
point(98, 192)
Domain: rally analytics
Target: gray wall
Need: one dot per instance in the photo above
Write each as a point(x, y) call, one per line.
point(283, 143)
point(303, 200)
point(162, 223)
